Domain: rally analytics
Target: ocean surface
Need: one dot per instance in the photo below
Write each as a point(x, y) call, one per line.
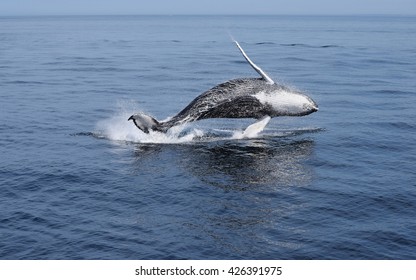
point(78, 181)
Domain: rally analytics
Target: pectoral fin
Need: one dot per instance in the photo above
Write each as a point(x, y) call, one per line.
point(254, 129)
point(255, 67)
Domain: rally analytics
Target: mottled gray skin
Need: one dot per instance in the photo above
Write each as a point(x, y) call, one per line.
point(231, 99)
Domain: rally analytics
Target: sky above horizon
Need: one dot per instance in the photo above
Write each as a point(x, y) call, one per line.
point(231, 7)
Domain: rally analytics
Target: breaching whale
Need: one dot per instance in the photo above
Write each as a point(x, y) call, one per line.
point(258, 98)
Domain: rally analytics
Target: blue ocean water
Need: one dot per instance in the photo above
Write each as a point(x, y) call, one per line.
point(78, 181)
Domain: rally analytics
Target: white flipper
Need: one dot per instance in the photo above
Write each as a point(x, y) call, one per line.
point(255, 67)
point(254, 129)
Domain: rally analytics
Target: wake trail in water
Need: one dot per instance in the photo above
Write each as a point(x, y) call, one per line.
point(118, 128)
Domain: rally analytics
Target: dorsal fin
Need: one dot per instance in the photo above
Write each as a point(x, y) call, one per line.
point(255, 67)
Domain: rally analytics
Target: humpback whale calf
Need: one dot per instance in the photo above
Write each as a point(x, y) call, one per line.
point(258, 98)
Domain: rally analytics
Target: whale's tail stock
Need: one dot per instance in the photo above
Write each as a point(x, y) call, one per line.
point(147, 123)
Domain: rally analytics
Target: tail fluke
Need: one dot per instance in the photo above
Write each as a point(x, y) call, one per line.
point(146, 123)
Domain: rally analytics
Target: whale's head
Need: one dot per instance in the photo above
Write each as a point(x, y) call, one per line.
point(286, 102)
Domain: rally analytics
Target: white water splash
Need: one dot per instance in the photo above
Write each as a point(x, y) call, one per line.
point(118, 128)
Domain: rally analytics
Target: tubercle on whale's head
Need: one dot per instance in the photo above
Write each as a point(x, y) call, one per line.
point(310, 106)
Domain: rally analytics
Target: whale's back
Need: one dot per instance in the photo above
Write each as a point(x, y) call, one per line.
point(231, 99)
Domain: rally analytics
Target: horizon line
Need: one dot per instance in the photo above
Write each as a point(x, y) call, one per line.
point(197, 14)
